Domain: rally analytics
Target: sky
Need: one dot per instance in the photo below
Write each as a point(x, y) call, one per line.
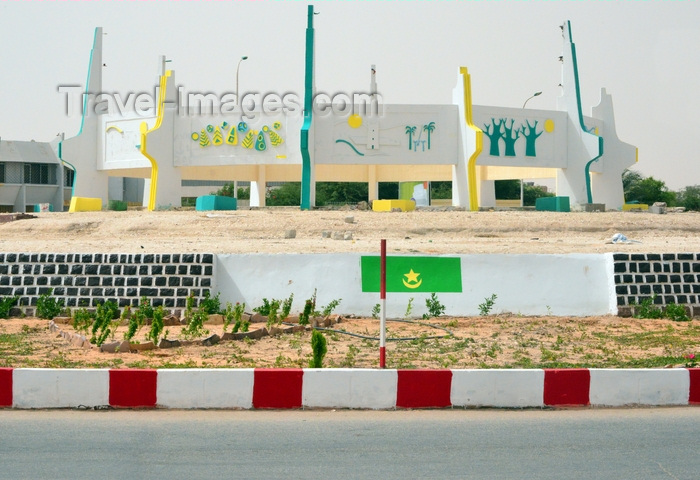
point(643, 52)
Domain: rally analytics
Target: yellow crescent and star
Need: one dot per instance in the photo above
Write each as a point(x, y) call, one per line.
point(411, 280)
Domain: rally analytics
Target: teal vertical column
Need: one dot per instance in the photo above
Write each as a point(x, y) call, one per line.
point(308, 110)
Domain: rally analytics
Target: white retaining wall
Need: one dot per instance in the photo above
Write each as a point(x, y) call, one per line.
point(574, 284)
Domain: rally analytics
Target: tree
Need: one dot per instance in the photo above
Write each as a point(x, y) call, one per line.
point(227, 191)
point(689, 198)
point(440, 190)
point(629, 179)
point(507, 189)
point(340, 192)
point(648, 191)
point(288, 195)
point(532, 192)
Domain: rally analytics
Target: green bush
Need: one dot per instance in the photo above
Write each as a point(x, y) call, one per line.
point(210, 305)
point(47, 306)
point(6, 305)
point(319, 349)
point(676, 313)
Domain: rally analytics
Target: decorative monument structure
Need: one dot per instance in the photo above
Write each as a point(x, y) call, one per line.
point(355, 140)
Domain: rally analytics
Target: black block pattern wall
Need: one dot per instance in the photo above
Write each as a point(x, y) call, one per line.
point(668, 277)
point(89, 279)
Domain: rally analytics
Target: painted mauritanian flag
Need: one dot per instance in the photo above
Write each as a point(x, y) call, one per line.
point(413, 274)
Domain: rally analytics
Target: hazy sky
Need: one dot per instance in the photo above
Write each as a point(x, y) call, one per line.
point(645, 53)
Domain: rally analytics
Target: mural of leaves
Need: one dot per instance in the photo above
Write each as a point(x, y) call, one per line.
point(260, 144)
point(218, 139)
point(248, 140)
point(232, 138)
point(275, 139)
point(203, 139)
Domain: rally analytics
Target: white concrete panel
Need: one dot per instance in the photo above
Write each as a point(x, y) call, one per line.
point(54, 388)
point(618, 387)
point(498, 388)
point(349, 388)
point(205, 388)
point(575, 284)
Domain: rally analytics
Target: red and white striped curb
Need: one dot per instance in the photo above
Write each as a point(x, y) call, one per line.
point(345, 388)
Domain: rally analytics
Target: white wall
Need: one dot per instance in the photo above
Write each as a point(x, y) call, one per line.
point(575, 284)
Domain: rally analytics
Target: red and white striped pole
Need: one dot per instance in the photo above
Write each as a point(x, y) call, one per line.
point(382, 303)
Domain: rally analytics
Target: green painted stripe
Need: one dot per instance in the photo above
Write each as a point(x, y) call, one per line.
point(413, 274)
point(308, 108)
point(340, 140)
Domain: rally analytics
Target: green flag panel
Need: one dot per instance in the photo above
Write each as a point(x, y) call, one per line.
point(413, 274)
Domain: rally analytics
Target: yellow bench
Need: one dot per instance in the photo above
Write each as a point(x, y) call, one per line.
point(85, 204)
point(389, 205)
point(634, 206)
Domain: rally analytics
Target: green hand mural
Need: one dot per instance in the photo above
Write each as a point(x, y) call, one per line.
point(508, 138)
point(531, 137)
point(493, 131)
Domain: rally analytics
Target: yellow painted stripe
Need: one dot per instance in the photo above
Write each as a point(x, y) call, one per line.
point(471, 165)
point(115, 128)
point(144, 144)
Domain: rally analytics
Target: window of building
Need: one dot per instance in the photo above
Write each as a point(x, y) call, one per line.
point(68, 177)
point(2, 173)
point(36, 173)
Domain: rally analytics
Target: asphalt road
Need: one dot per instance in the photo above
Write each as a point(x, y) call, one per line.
point(606, 444)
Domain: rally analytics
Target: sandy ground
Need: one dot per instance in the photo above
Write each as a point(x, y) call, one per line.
point(477, 342)
point(423, 231)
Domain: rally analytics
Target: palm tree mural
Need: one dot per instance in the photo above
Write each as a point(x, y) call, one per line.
point(410, 131)
point(429, 128)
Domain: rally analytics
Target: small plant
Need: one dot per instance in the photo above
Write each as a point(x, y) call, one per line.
point(486, 307)
point(156, 324)
point(332, 305)
point(102, 324)
point(189, 306)
point(264, 309)
point(210, 305)
point(690, 361)
point(47, 306)
point(409, 308)
point(647, 309)
point(376, 310)
point(676, 313)
point(136, 321)
point(307, 312)
point(234, 314)
point(286, 307)
point(435, 308)
point(272, 314)
point(195, 325)
point(82, 319)
point(146, 308)
point(6, 305)
point(318, 348)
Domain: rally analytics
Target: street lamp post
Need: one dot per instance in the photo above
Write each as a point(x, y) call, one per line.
point(237, 70)
point(535, 95)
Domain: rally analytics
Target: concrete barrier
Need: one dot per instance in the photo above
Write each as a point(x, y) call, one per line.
point(55, 388)
point(205, 388)
point(349, 388)
point(497, 388)
point(27, 388)
point(620, 387)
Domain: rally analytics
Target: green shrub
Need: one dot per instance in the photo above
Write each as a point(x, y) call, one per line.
point(676, 313)
point(486, 307)
point(286, 307)
point(435, 308)
point(82, 320)
point(156, 324)
point(647, 309)
point(318, 348)
point(47, 306)
point(6, 305)
point(210, 305)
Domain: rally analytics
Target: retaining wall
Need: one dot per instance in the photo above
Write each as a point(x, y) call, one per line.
point(25, 388)
point(669, 277)
point(574, 284)
point(89, 279)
